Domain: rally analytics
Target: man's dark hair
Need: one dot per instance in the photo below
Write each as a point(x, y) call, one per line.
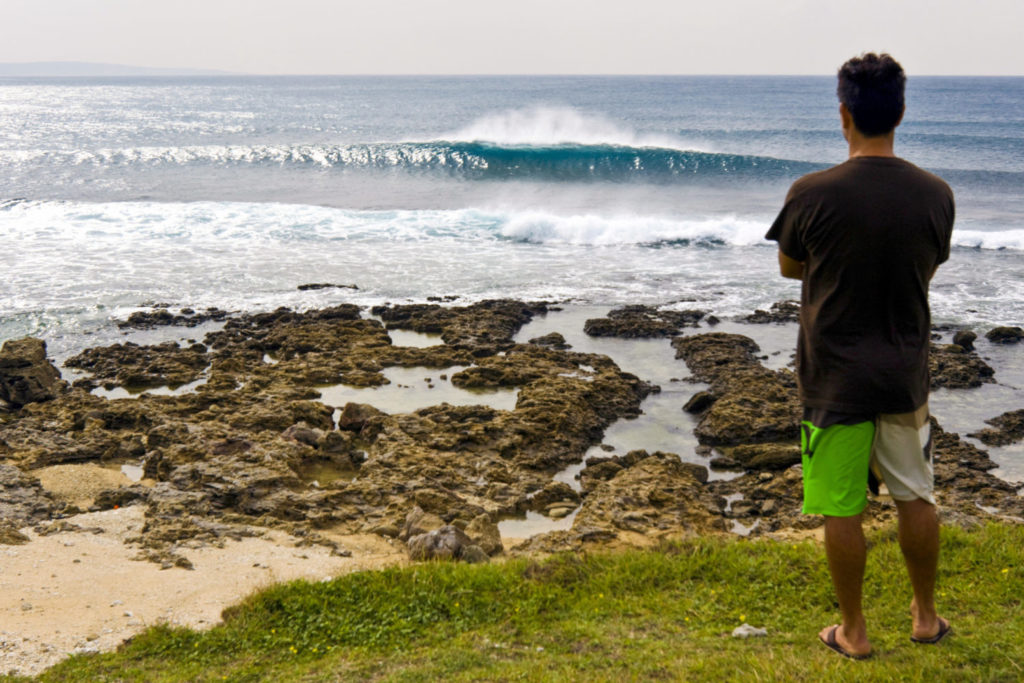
point(871, 87)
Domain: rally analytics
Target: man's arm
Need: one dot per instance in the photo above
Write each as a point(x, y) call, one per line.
point(790, 268)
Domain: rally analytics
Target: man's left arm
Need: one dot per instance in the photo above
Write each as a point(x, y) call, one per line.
point(790, 267)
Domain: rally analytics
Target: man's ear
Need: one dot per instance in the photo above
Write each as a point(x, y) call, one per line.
point(902, 112)
point(846, 120)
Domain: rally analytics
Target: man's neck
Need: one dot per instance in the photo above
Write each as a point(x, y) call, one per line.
point(876, 146)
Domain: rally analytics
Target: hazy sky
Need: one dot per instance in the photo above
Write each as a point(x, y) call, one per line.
point(518, 36)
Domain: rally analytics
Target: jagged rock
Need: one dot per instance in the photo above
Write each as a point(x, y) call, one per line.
point(1006, 429)
point(354, 416)
point(658, 495)
point(447, 543)
point(765, 456)
point(418, 522)
point(25, 374)
point(10, 535)
point(754, 404)
point(484, 533)
point(953, 367)
point(22, 499)
point(1005, 335)
point(965, 339)
point(780, 312)
point(134, 366)
point(161, 316)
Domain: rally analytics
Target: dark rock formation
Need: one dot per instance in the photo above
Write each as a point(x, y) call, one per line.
point(1006, 429)
point(1005, 335)
point(160, 316)
point(965, 339)
point(780, 312)
point(953, 367)
point(751, 403)
point(632, 322)
point(25, 374)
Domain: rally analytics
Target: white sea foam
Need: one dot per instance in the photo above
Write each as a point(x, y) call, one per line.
point(981, 239)
point(598, 230)
point(544, 126)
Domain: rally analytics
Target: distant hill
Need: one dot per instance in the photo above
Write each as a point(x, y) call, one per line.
point(96, 69)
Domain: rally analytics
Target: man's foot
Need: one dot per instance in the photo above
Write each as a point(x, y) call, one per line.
point(929, 628)
point(833, 638)
point(944, 630)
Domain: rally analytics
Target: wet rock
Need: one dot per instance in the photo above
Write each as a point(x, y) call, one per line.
point(953, 367)
point(1005, 335)
point(25, 374)
point(631, 322)
point(482, 328)
point(965, 339)
point(447, 543)
point(752, 404)
point(553, 492)
point(324, 285)
point(133, 366)
point(355, 416)
point(161, 317)
point(699, 402)
point(1006, 429)
point(780, 312)
point(554, 340)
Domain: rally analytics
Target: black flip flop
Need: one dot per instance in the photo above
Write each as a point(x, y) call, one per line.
point(944, 630)
point(831, 643)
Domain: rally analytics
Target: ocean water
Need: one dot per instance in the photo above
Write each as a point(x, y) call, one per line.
point(231, 192)
point(116, 193)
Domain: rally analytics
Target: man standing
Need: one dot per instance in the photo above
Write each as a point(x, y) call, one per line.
point(865, 237)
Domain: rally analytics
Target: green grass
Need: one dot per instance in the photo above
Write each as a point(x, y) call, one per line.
point(632, 616)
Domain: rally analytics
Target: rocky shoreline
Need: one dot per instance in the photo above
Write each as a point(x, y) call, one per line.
point(243, 452)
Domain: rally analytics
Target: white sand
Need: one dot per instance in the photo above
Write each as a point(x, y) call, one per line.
point(82, 592)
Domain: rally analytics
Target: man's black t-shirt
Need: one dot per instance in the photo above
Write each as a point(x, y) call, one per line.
point(871, 232)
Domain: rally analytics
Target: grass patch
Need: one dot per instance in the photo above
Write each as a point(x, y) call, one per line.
point(631, 616)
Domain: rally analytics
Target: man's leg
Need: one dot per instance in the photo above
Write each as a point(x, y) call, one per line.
point(847, 553)
point(919, 541)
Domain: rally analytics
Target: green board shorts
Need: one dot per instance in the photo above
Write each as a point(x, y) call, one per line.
point(839, 450)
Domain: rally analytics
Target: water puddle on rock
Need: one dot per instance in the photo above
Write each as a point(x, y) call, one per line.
point(131, 392)
point(416, 340)
point(664, 425)
point(323, 473)
point(414, 388)
point(964, 411)
point(534, 523)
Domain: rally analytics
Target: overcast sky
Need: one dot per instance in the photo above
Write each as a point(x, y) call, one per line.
point(518, 36)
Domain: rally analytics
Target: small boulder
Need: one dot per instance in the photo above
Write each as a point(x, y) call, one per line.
point(484, 533)
point(25, 374)
point(419, 522)
point(965, 339)
point(446, 543)
point(354, 416)
point(1005, 335)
